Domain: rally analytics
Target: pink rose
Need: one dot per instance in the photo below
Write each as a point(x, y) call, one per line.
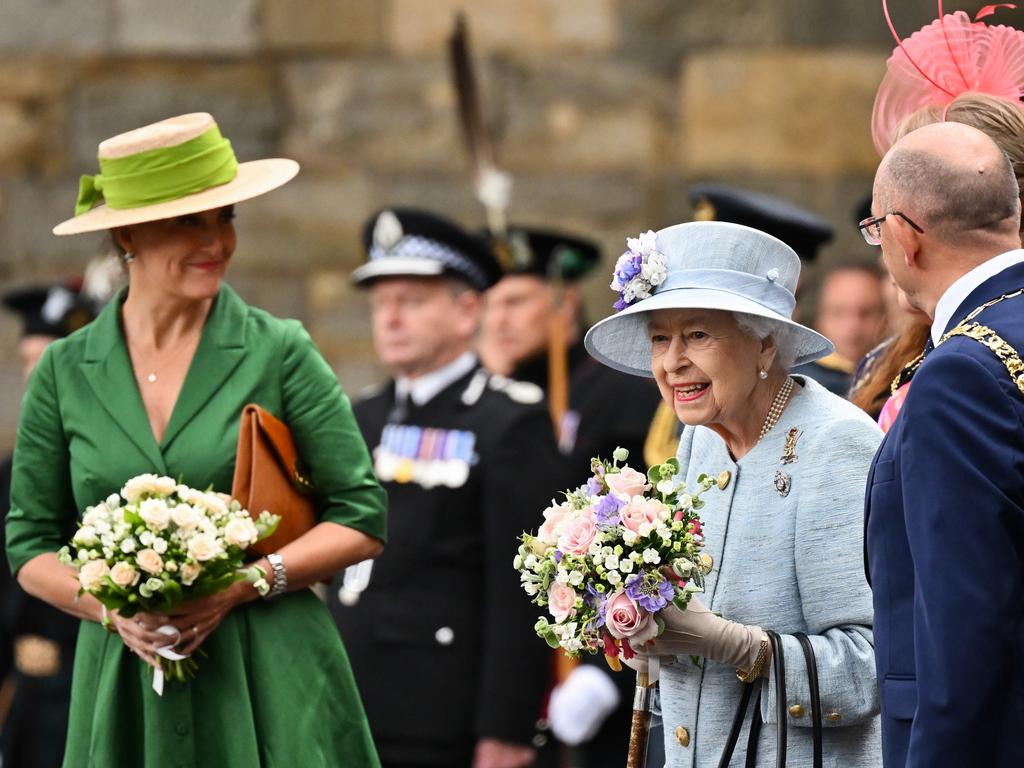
point(578, 534)
point(561, 601)
point(637, 513)
point(553, 515)
point(626, 483)
point(627, 620)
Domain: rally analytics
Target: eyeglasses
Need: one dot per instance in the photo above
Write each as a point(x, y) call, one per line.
point(872, 228)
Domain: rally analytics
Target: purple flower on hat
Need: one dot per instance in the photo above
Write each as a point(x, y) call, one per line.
point(639, 270)
point(606, 511)
point(650, 590)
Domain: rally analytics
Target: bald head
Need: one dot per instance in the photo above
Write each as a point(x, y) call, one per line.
point(952, 180)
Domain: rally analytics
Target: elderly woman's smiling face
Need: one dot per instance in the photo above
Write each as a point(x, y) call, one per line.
point(706, 366)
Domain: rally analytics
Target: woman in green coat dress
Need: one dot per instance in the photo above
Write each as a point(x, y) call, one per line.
point(156, 384)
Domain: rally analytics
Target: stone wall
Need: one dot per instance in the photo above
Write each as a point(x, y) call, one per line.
point(605, 111)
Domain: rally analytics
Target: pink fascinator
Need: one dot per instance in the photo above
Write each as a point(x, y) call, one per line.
point(950, 56)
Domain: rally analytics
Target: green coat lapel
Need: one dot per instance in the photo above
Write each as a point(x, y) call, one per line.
point(220, 350)
point(108, 370)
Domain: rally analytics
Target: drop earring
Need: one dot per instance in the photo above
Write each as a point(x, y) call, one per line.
point(763, 374)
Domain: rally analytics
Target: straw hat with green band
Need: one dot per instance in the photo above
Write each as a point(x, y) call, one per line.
point(177, 166)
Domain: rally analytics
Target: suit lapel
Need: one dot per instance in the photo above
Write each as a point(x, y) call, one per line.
point(108, 371)
point(220, 350)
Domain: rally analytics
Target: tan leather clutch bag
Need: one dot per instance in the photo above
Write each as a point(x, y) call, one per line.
point(268, 477)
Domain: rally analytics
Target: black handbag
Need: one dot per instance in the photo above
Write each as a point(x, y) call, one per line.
point(779, 673)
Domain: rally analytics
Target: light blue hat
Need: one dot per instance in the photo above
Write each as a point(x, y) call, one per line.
point(701, 265)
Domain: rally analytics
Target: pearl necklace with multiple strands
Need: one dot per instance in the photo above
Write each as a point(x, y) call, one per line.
point(778, 405)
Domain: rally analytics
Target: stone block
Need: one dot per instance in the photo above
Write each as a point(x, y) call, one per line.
point(584, 114)
point(118, 97)
point(417, 27)
point(788, 111)
point(381, 114)
point(66, 27)
point(322, 24)
point(189, 27)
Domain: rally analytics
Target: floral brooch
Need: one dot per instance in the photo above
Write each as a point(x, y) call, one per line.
point(639, 270)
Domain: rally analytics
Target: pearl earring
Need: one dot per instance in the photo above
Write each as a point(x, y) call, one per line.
point(128, 257)
point(763, 374)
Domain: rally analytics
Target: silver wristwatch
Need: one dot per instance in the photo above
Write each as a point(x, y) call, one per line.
point(279, 584)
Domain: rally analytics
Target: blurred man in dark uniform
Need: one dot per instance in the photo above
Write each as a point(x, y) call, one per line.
point(800, 229)
point(533, 331)
point(851, 313)
point(37, 641)
point(438, 630)
point(541, 290)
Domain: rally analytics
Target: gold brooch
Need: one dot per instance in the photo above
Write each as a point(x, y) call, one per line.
point(789, 449)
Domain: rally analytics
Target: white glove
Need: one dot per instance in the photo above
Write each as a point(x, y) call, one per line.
point(698, 632)
point(581, 704)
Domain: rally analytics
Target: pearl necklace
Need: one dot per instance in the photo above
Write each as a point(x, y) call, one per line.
point(778, 405)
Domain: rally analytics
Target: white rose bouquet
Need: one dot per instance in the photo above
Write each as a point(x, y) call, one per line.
point(611, 556)
point(159, 544)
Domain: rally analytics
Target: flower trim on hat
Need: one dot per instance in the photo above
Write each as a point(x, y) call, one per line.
point(639, 270)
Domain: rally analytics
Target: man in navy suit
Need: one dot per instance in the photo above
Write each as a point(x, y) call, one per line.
point(945, 501)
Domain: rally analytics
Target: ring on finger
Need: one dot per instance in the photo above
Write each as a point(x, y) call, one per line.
point(195, 631)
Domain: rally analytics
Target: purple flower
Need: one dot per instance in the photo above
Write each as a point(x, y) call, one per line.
point(594, 486)
point(606, 511)
point(597, 600)
point(651, 591)
point(558, 555)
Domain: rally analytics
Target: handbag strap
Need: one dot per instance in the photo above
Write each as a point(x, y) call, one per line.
point(737, 722)
point(755, 733)
point(812, 680)
point(779, 670)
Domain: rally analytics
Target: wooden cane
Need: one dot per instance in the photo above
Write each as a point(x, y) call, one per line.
point(640, 728)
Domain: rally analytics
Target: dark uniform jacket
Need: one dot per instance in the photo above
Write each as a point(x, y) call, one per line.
point(442, 641)
point(37, 648)
point(945, 552)
point(607, 410)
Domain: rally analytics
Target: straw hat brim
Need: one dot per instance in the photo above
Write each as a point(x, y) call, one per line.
point(254, 178)
point(622, 341)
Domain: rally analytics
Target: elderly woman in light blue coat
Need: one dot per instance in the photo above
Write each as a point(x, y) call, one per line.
point(705, 309)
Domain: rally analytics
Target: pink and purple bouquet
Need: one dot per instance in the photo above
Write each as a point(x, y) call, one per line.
point(615, 553)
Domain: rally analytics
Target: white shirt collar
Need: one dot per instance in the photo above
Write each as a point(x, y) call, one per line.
point(958, 292)
point(423, 389)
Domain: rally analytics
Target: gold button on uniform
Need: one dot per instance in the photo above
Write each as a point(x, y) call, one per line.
point(833, 717)
point(723, 479)
point(682, 736)
point(796, 711)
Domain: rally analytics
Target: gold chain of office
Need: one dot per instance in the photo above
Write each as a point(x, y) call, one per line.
point(1007, 355)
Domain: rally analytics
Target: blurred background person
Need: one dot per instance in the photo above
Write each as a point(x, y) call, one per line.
point(533, 331)
point(538, 304)
point(37, 639)
point(851, 313)
point(438, 630)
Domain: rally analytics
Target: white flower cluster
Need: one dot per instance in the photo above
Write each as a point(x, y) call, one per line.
point(159, 543)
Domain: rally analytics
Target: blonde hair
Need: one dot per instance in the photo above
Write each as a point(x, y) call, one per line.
point(1001, 120)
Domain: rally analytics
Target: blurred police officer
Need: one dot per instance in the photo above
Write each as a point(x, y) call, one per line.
point(37, 642)
point(800, 229)
point(439, 633)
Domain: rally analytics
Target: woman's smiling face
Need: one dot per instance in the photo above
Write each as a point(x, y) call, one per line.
point(186, 256)
point(706, 366)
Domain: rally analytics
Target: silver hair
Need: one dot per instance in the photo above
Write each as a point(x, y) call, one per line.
point(783, 335)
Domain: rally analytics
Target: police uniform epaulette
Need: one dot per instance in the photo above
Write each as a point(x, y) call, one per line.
point(517, 391)
point(371, 390)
